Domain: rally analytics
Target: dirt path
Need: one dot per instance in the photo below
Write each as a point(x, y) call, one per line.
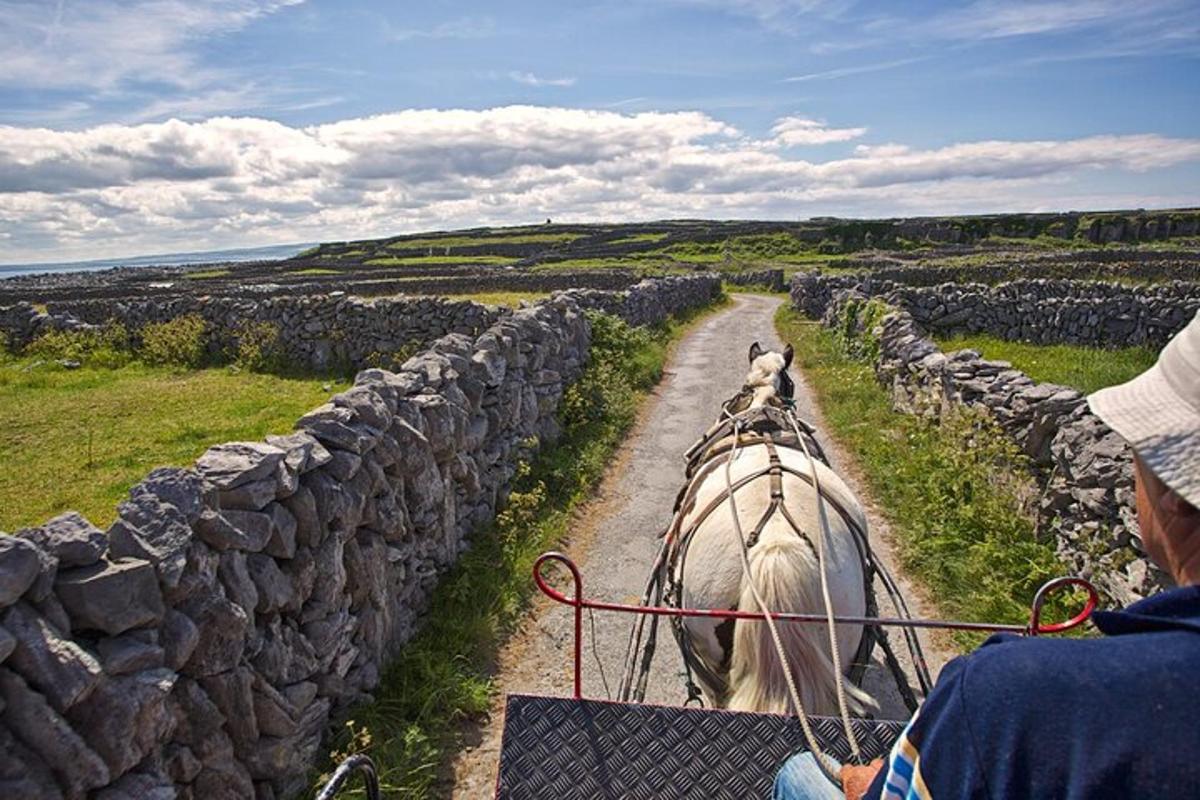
point(616, 539)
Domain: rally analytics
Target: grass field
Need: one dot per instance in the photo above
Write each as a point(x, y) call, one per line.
point(419, 261)
point(956, 493)
point(441, 243)
point(512, 299)
point(78, 439)
point(442, 676)
point(1084, 368)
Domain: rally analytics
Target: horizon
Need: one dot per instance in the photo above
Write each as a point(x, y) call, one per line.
point(161, 127)
point(599, 223)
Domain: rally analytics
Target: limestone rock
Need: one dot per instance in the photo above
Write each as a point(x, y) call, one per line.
point(130, 652)
point(57, 667)
point(222, 627)
point(19, 566)
point(227, 466)
point(126, 718)
point(70, 538)
point(111, 596)
point(179, 637)
point(40, 728)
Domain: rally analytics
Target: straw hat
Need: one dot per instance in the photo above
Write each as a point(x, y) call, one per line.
point(1158, 413)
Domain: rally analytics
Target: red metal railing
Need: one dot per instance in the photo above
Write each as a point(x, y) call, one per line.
point(1035, 626)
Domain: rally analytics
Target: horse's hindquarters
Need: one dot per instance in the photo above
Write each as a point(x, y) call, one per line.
point(787, 576)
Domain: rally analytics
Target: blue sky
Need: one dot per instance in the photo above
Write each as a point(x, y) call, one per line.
point(147, 125)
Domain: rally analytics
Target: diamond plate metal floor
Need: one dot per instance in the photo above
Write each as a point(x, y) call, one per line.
point(564, 748)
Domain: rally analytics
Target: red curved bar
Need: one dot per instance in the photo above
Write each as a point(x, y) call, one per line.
point(1034, 626)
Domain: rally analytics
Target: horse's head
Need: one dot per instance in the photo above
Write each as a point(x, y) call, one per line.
point(768, 382)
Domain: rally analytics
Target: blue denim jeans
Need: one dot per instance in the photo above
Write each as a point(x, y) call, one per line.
point(801, 778)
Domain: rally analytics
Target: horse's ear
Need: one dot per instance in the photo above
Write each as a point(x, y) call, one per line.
point(787, 355)
point(755, 352)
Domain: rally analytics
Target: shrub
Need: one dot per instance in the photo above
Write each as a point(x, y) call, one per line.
point(106, 346)
point(258, 347)
point(179, 342)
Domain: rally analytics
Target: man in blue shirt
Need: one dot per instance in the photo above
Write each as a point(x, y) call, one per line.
point(1117, 716)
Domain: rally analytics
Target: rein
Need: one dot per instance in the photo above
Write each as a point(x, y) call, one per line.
point(773, 426)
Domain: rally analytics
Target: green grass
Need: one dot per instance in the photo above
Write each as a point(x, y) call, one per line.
point(208, 273)
point(442, 676)
point(640, 237)
point(956, 493)
point(417, 261)
point(314, 271)
point(440, 243)
point(499, 298)
point(1084, 368)
point(78, 439)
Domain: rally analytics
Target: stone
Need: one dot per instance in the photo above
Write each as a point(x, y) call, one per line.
point(230, 693)
point(303, 508)
point(234, 529)
point(222, 626)
point(179, 637)
point(23, 774)
point(183, 489)
point(139, 786)
point(338, 428)
point(128, 653)
point(127, 717)
point(153, 531)
point(19, 567)
point(8, 643)
point(252, 496)
point(367, 405)
point(180, 763)
point(303, 452)
point(227, 466)
point(227, 780)
point(235, 577)
point(275, 715)
point(42, 730)
point(57, 667)
point(344, 465)
point(301, 571)
point(285, 655)
point(70, 538)
point(283, 534)
point(111, 596)
point(274, 588)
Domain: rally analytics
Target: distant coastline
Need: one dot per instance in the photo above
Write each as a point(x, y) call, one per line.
point(267, 253)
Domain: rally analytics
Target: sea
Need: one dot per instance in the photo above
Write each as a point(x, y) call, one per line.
point(267, 253)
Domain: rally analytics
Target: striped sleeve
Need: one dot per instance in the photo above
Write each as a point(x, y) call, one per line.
point(934, 756)
point(903, 780)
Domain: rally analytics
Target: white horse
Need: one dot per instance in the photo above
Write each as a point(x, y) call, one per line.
point(736, 663)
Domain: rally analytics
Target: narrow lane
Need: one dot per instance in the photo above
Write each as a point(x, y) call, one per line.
point(617, 537)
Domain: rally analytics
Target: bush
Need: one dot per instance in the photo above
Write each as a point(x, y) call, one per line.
point(258, 347)
point(179, 342)
point(106, 346)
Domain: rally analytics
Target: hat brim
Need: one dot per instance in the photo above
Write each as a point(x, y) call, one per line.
point(1161, 427)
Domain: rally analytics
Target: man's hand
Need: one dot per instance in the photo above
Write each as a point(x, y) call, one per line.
point(856, 780)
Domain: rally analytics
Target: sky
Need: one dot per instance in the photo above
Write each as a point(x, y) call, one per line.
point(144, 126)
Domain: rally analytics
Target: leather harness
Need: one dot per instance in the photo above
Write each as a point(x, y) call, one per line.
point(769, 426)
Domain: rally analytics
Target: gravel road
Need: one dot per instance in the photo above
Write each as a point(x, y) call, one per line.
point(616, 538)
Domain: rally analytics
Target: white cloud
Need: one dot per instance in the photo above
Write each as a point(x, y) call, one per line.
point(796, 131)
point(102, 44)
point(463, 28)
point(529, 79)
point(993, 19)
point(857, 69)
point(117, 189)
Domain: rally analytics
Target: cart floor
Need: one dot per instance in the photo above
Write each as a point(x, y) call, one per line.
point(566, 748)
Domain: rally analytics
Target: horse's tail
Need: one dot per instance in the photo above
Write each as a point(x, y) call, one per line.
point(784, 569)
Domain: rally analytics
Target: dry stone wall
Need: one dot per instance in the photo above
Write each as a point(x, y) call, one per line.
point(1084, 468)
point(200, 645)
point(1043, 311)
point(770, 278)
point(317, 332)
